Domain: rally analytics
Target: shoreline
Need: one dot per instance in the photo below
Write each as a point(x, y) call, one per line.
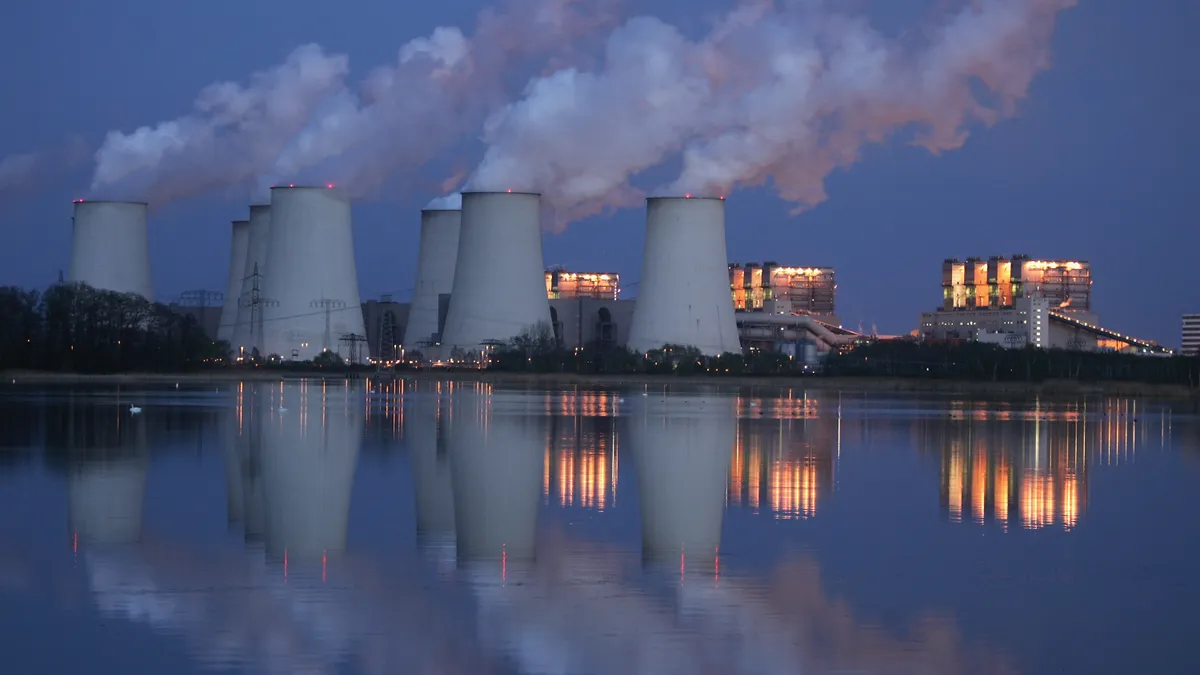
point(874, 385)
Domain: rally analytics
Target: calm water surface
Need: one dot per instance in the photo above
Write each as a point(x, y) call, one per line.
point(465, 528)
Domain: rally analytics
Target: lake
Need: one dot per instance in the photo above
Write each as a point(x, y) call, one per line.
point(463, 527)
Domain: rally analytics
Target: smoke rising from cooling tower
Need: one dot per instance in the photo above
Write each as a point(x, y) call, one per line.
point(302, 122)
point(784, 95)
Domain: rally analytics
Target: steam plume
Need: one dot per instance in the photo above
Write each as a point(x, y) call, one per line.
point(301, 122)
point(780, 94)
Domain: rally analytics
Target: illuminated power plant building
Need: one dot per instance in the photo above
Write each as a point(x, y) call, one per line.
point(1021, 302)
point(599, 285)
point(770, 287)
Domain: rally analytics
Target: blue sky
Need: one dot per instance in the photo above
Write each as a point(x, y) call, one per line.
point(1099, 164)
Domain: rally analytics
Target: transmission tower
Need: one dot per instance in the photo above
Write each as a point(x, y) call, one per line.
point(387, 331)
point(327, 304)
point(352, 346)
point(256, 303)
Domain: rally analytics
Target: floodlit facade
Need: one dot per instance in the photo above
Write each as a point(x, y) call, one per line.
point(110, 249)
point(311, 438)
point(562, 284)
point(681, 447)
point(1027, 323)
point(499, 291)
point(777, 289)
point(435, 275)
point(311, 284)
point(497, 445)
point(248, 326)
point(684, 295)
point(1190, 344)
point(998, 282)
point(233, 287)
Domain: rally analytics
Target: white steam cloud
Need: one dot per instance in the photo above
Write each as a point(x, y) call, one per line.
point(780, 94)
point(451, 202)
point(301, 122)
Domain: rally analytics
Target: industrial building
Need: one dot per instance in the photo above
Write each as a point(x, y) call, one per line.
point(683, 296)
point(997, 283)
point(436, 257)
point(1190, 344)
point(561, 284)
point(109, 247)
point(311, 285)
point(1021, 302)
point(498, 292)
point(385, 321)
point(770, 287)
point(239, 242)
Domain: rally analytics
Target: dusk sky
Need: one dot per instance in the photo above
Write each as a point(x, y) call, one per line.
point(1097, 164)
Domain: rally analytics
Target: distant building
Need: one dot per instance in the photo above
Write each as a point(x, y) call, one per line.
point(1190, 345)
point(384, 321)
point(775, 289)
point(997, 283)
point(561, 284)
point(203, 306)
point(591, 322)
point(1026, 322)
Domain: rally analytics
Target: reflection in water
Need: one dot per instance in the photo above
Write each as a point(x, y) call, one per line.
point(680, 445)
point(426, 430)
point(1030, 467)
point(581, 462)
point(784, 464)
point(311, 434)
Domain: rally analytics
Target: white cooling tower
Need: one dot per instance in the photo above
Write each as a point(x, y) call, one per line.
point(105, 500)
point(684, 295)
point(311, 283)
point(233, 287)
point(247, 327)
point(435, 273)
point(681, 447)
point(499, 280)
point(109, 247)
point(497, 445)
point(311, 436)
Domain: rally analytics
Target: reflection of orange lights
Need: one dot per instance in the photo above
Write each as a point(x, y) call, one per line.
point(1070, 502)
point(956, 486)
point(1037, 500)
point(586, 470)
point(793, 488)
point(979, 484)
point(1001, 492)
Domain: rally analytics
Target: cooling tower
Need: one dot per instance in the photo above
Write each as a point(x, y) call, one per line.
point(499, 283)
point(233, 287)
point(109, 247)
point(497, 445)
point(681, 447)
point(247, 327)
point(684, 296)
point(435, 274)
point(311, 436)
point(311, 285)
point(105, 500)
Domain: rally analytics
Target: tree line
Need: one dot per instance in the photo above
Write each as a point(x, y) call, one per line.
point(536, 350)
point(72, 327)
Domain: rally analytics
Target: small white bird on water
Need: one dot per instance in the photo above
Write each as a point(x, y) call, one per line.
point(133, 410)
point(282, 409)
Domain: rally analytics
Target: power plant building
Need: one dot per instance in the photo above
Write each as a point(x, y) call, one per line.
point(998, 282)
point(110, 248)
point(561, 284)
point(311, 303)
point(770, 287)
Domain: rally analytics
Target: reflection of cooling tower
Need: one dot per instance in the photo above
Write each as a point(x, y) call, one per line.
point(105, 500)
point(234, 493)
point(496, 451)
point(248, 324)
point(233, 286)
point(499, 281)
point(681, 446)
point(109, 247)
point(435, 273)
point(425, 429)
point(309, 455)
point(311, 284)
point(684, 295)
